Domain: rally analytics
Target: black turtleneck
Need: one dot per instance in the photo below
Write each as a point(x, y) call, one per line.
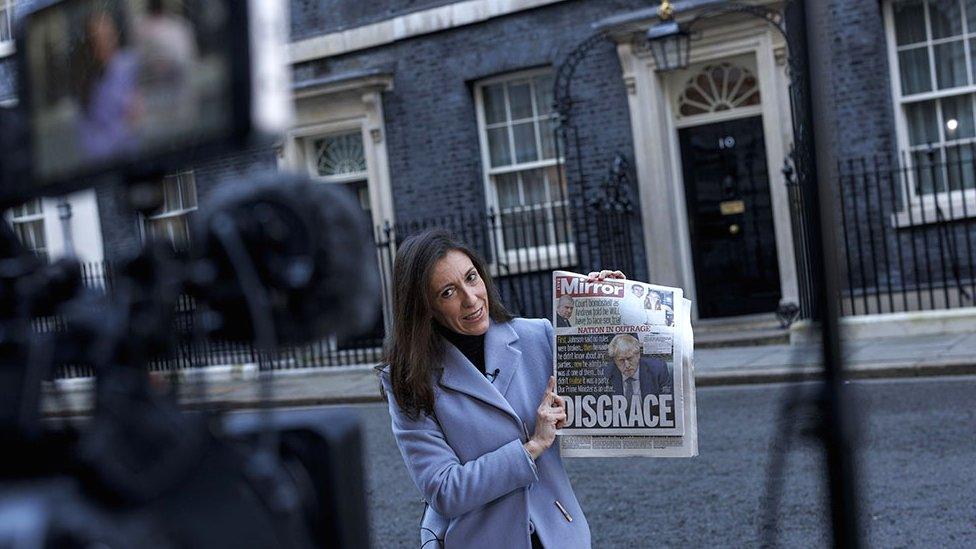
point(472, 347)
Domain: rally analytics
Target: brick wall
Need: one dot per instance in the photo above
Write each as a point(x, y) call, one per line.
point(861, 90)
point(8, 79)
point(314, 17)
point(880, 257)
point(431, 126)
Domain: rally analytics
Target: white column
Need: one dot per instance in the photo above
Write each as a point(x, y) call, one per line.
point(662, 205)
point(84, 224)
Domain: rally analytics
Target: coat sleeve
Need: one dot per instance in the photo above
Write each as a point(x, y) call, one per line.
point(453, 488)
point(551, 339)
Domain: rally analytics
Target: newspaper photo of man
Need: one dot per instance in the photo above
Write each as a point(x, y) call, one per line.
point(657, 309)
point(631, 374)
point(564, 312)
point(633, 309)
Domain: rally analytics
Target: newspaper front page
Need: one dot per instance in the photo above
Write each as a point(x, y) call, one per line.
point(624, 365)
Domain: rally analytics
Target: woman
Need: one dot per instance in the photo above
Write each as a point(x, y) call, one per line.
point(473, 403)
point(111, 104)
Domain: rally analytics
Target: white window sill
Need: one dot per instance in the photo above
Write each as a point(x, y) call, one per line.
point(172, 213)
point(925, 211)
point(531, 260)
point(28, 218)
point(7, 49)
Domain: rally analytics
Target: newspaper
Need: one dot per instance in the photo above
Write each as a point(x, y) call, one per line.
point(624, 365)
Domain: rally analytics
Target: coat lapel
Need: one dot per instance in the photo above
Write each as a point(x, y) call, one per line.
point(460, 375)
point(500, 353)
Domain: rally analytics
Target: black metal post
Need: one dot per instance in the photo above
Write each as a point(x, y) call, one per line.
point(884, 237)
point(808, 21)
point(858, 245)
point(847, 241)
point(894, 174)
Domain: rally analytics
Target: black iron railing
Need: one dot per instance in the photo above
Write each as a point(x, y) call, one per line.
point(909, 227)
point(521, 248)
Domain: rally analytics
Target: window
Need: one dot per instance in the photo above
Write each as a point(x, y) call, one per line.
point(172, 221)
point(718, 87)
point(6, 24)
point(335, 157)
point(340, 158)
point(933, 51)
point(522, 175)
point(28, 223)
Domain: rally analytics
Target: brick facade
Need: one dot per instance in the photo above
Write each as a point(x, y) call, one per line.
point(861, 92)
point(314, 17)
point(431, 130)
point(431, 127)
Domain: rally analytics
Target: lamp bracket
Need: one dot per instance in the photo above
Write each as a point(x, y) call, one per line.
point(773, 17)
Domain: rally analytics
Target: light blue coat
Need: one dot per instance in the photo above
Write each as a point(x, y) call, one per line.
point(469, 463)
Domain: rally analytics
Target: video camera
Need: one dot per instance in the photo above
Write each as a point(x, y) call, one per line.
point(134, 88)
point(113, 93)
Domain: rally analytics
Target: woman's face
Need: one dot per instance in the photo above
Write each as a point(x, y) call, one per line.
point(460, 299)
point(103, 36)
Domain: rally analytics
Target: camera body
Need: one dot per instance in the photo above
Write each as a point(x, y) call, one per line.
point(128, 88)
point(113, 92)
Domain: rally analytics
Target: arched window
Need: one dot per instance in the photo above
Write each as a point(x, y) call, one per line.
point(718, 87)
point(340, 155)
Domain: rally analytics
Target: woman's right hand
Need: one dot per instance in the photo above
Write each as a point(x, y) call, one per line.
point(596, 276)
point(549, 416)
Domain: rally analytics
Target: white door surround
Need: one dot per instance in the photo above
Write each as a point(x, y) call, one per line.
point(342, 106)
point(84, 227)
point(657, 153)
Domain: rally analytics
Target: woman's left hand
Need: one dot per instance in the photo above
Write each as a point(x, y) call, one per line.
point(604, 274)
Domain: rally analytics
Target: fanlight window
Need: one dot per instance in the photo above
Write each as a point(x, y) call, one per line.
point(337, 155)
point(718, 87)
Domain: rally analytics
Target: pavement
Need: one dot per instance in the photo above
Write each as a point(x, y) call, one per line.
point(238, 386)
point(915, 479)
point(891, 357)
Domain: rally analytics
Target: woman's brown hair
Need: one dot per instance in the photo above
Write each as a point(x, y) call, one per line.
point(413, 347)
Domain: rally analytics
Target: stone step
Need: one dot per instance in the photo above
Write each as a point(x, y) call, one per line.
point(745, 338)
point(741, 331)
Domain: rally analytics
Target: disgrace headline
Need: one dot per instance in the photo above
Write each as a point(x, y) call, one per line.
point(614, 411)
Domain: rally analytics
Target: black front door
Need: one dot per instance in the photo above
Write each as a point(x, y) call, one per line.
point(731, 218)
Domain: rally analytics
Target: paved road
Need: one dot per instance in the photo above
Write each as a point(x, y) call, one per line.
point(918, 475)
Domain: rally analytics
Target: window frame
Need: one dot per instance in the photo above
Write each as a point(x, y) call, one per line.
point(38, 217)
point(184, 211)
point(926, 206)
point(311, 164)
point(307, 143)
point(746, 62)
point(7, 46)
point(527, 258)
